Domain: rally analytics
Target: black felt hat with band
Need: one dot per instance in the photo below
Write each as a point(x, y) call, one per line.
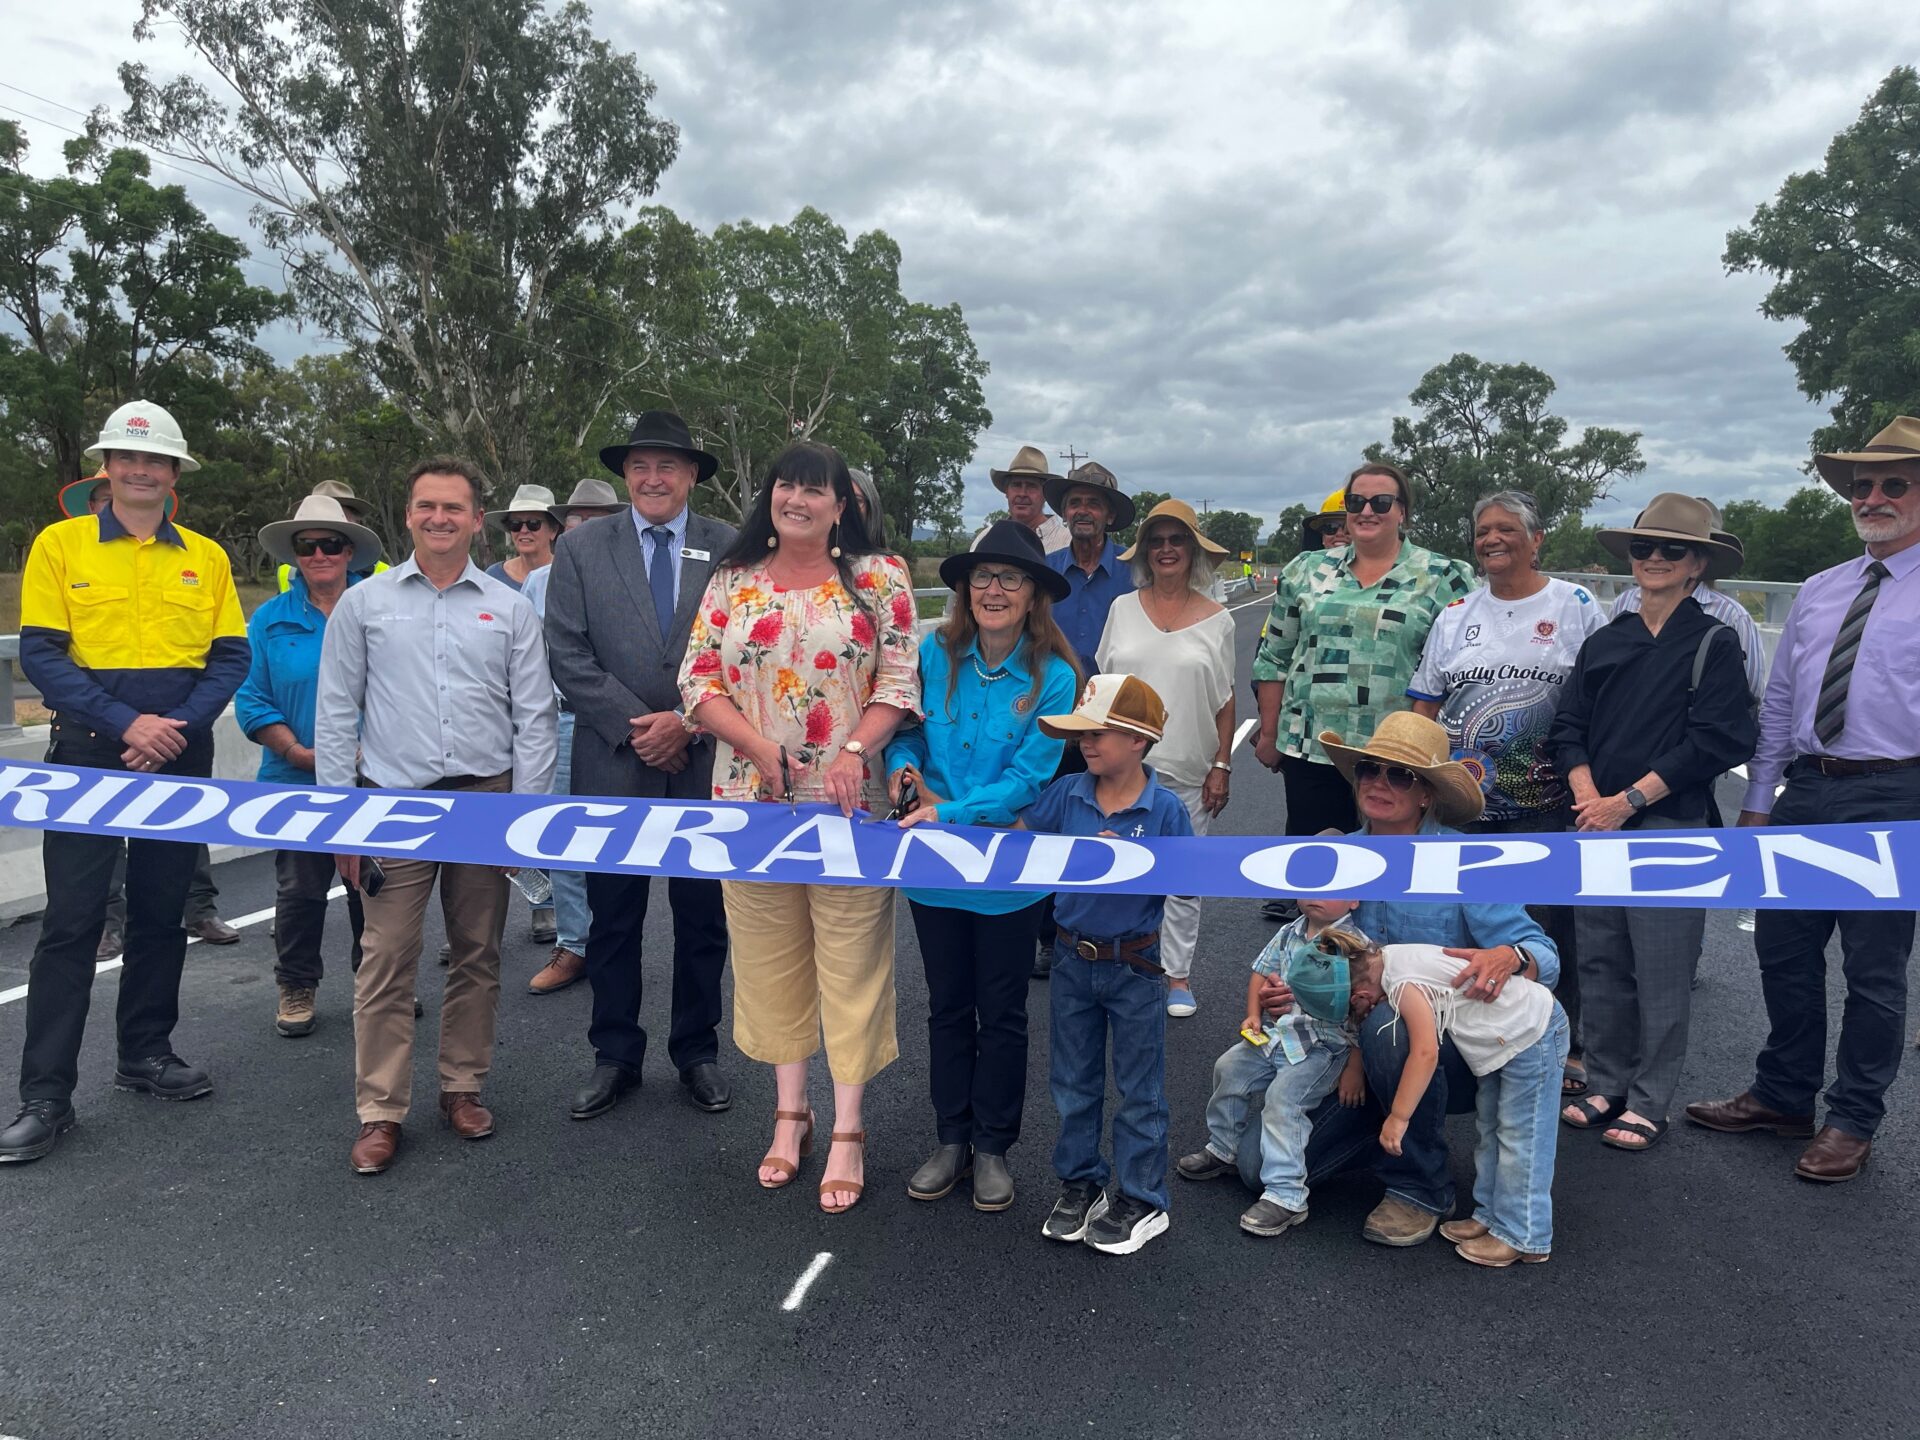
point(1007, 542)
point(659, 430)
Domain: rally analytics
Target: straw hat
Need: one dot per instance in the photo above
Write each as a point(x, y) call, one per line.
point(1404, 738)
point(1899, 441)
point(321, 512)
point(591, 493)
point(527, 500)
point(1183, 512)
point(1678, 517)
point(1028, 464)
point(1121, 509)
point(1111, 702)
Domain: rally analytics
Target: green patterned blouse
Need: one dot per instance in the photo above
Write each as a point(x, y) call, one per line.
point(1345, 652)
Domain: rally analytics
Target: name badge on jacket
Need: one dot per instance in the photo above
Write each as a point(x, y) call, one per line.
point(691, 554)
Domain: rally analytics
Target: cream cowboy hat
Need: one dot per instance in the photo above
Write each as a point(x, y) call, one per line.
point(527, 500)
point(1028, 464)
point(1678, 517)
point(320, 512)
point(1899, 441)
point(1420, 745)
point(590, 494)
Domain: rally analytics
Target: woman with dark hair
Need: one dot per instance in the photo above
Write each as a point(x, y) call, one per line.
point(997, 663)
point(801, 664)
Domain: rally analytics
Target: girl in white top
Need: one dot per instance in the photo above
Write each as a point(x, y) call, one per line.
point(1516, 1043)
point(1174, 636)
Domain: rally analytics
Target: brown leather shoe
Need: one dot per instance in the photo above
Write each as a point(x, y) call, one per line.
point(1743, 1112)
point(1833, 1156)
point(212, 930)
point(469, 1118)
point(374, 1151)
point(564, 969)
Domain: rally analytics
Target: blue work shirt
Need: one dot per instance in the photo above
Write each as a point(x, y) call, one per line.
point(1068, 807)
point(1083, 614)
point(1461, 926)
point(283, 682)
point(981, 746)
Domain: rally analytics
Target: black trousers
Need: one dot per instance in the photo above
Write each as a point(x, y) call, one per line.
point(1317, 798)
point(203, 896)
point(79, 870)
point(1875, 947)
point(619, 905)
point(977, 971)
point(302, 879)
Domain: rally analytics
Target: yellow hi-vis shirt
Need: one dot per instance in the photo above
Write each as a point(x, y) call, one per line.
point(286, 572)
point(113, 626)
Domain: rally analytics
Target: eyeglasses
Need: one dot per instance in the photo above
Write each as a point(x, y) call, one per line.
point(526, 522)
point(1893, 487)
point(1398, 776)
point(1380, 504)
point(326, 545)
point(1669, 549)
point(1011, 581)
point(1175, 539)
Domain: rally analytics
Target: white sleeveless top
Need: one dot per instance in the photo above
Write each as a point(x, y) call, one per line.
point(1487, 1033)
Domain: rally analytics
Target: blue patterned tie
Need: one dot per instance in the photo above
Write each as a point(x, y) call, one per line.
point(660, 575)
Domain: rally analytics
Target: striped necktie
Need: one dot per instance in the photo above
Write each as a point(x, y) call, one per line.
point(1830, 711)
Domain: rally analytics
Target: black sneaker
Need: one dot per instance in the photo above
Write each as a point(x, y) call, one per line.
point(1125, 1225)
point(167, 1076)
point(1081, 1202)
point(35, 1131)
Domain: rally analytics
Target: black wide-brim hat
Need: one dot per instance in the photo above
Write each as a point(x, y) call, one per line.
point(659, 430)
point(1007, 542)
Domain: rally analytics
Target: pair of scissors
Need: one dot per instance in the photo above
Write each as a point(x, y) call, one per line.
point(786, 782)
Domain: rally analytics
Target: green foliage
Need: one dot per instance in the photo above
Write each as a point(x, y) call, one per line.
point(1571, 545)
point(1234, 529)
point(1484, 427)
point(1844, 247)
point(1812, 531)
point(1143, 501)
point(1285, 542)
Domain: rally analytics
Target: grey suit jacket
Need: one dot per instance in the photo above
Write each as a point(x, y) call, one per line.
point(613, 658)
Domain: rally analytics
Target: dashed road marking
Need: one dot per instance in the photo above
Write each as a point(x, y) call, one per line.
point(798, 1293)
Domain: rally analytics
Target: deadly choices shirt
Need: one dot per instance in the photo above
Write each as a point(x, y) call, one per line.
point(1497, 667)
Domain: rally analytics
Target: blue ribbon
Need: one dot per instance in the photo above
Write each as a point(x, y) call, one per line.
point(1822, 867)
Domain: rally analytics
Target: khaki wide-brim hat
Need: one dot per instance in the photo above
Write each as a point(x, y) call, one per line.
point(1678, 517)
point(1028, 464)
point(1111, 702)
point(1899, 441)
point(1420, 744)
point(1183, 512)
point(527, 500)
point(355, 507)
point(321, 512)
point(1120, 506)
point(591, 493)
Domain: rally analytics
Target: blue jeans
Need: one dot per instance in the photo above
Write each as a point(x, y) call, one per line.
point(1292, 1091)
point(1087, 1000)
point(1519, 1111)
point(571, 917)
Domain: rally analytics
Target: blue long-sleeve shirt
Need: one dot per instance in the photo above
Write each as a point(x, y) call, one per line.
point(283, 682)
point(1082, 616)
point(980, 746)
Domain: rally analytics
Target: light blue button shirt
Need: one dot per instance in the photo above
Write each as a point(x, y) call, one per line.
point(678, 525)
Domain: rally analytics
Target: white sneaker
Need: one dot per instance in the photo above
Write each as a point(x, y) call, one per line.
point(1181, 1002)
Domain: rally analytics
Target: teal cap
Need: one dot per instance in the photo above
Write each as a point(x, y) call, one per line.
point(1321, 983)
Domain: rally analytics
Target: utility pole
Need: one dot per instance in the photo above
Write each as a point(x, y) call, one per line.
point(1203, 506)
point(1073, 458)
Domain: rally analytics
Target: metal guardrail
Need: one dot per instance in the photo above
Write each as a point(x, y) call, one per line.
point(1776, 596)
point(9, 652)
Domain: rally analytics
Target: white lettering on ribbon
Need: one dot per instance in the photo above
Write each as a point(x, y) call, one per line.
point(526, 835)
point(1048, 856)
point(1439, 864)
point(30, 788)
point(95, 797)
point(663, 824)
point(1607, 864)
point(138, 813)
point(1353, 865)
point(1875, 876)
point(836, 854)
point(357, 830)
point(970, 863)
point(249, 817)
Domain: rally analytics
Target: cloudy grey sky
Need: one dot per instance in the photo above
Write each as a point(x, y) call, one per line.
point(1216, 244)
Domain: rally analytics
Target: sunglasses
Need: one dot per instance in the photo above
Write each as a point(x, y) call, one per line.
point(1168, 539)
point(1379, 504)
point(1011, 581)
point(526, 522)
point(1398, 776)
point(1893, 487)
point(326, 545)
point(1669, 549)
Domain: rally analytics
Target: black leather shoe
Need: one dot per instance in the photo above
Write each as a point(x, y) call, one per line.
point(946, 1167)
point(603, 1090)
point(35, 1131)
point(992, 1182)
point(707, 1087)
point(167, 1076)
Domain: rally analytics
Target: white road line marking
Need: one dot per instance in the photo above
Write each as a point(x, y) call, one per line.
point(812, 1273)
point(1266, 600)
point(19, 992)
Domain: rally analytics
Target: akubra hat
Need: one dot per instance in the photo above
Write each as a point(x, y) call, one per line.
point(75, 495)
point(659, 430)
point(1419, 744)
point(321, 512)
point(343, 492)
point(1678, 517)
point(1183, 512)
point(1028, 464)
point(1007, 542)
point(527, 500)
point(1096, 475)
point(1899, 441)
point(591, 493)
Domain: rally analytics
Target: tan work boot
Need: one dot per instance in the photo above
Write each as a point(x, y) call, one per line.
point(1396, 1223)
point(561, 971)
point(296, 1015)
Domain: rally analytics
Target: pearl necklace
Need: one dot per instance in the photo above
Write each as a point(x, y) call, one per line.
point(987, 677)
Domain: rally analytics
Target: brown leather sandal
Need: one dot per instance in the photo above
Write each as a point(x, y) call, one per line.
point(788, 1169)
point(828, 1187)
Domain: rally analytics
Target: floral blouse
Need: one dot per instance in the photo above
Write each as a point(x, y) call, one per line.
point(802, 665)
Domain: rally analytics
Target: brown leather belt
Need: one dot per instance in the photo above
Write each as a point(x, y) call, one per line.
point(1833, 765)
point(1131, 951)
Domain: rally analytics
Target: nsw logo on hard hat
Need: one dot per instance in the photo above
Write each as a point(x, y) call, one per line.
point(137, 423)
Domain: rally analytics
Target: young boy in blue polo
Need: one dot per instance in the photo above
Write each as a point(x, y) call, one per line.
point(1107, 979)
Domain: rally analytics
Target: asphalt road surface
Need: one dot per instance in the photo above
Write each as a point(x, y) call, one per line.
point(214, 1269)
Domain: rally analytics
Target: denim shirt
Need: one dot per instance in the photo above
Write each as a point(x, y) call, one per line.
point(1068, 807)
point(1083, 614)
point(982, 749)
point(283, 681)
point(1461, 926)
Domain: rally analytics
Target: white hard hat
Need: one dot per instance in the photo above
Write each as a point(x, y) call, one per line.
point(139, 425)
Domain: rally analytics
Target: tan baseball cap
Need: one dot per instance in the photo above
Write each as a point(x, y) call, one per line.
point(1111, 702)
